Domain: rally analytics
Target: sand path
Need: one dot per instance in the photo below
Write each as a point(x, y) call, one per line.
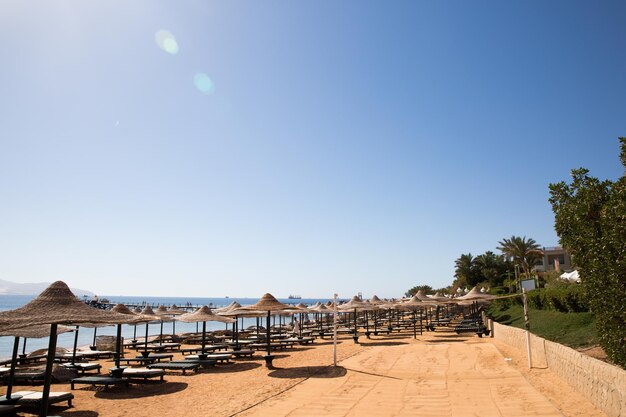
point(438, 376)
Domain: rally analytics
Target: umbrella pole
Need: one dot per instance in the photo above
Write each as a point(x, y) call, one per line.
point(161, 334)
point(414, 329)
point(421, 315)
point(268, 359)
point(173, 327)
point(95, 332)
point(52, 347)
point(7, 398)
point(118, 345)
point(235, 332)
point(355, 337)
point(257, 328)
point(375, 323)
point(75, 346)
point(24, 347)
point(135, 333)
point(203, 335)
point(367, 326)
point(145, 350)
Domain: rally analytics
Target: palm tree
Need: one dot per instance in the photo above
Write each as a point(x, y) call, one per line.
point(491, 266)
point(464, 269)
point(524, 252)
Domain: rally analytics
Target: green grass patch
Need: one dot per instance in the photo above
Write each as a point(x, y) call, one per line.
point(570, 329)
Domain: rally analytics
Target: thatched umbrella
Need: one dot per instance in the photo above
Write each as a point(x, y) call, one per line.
point(378, 303)
point(203, 314)
point(236, 313)
point(175, 311)
point(413, 305)
point(270, 304)
point(475, 294)
point(321, 309)
point(304, 309)
point(133, 317)
point(474, 297)
point(232, 305)
point(35, 332)
point(354, 304)
point(163, 312)
point(148, 315)
point(55, 305)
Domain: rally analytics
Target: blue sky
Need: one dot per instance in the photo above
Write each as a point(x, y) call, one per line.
point(343, 146)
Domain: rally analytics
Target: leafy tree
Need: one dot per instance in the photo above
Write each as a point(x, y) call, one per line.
point(590, 219)
point(426, 288)
point(524, 252)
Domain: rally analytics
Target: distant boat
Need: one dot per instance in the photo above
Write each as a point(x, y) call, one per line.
point(294, 297)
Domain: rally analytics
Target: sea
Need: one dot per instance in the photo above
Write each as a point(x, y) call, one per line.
point(86, 335)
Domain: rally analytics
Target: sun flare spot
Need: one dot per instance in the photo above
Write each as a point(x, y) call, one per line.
point(166, 41)
point(204, 83)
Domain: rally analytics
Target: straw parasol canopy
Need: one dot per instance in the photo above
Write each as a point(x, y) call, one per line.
point(376, 301)
point(422, 297)
point(204, 313)
point(440, 299)
point(269, 303)
point(413, 304)
point(303, 308)
point(57, 305)
point(122, 309)
point(232, 305)
point(354, 304)
point(175, 311)
point(35, 332)
point(149, 314)
point(476, 295)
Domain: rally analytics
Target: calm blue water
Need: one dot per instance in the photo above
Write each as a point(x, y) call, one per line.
point(85, 335)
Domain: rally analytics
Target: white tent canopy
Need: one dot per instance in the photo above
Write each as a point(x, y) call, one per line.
point(570, 276)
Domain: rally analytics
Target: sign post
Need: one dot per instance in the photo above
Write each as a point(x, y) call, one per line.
point(527, 325)
point(335, 330)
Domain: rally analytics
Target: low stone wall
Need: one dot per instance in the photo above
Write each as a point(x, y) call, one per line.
point(603, 384)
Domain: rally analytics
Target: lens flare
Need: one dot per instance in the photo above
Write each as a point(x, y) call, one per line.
point(204, 83)
point(166, 41)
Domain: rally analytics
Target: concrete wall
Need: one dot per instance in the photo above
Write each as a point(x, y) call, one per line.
point(603, 384)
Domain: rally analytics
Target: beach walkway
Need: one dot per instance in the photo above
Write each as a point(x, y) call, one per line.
point(439, 376)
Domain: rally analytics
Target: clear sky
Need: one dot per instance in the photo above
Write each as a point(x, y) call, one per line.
point(196, 148)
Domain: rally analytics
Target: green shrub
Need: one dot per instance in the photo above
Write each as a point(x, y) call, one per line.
point(590, 219)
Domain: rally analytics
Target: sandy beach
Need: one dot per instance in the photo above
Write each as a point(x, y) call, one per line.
point(439, 374)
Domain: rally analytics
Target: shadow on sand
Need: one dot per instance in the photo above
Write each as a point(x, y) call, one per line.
point(77, 413)
point(309, 372)
point(382, 343)
point(142, 390)
point(232, 367)
point(446, 340)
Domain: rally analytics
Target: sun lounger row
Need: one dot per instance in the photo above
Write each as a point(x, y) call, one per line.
point(128, 375)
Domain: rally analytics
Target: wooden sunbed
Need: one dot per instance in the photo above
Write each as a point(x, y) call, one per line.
point(33, 398)
point(83, 367)
point(99, 380)
point(183, 366)
point(29, 376)
point(96, 354)
point(143, 373)
point(216, 357)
